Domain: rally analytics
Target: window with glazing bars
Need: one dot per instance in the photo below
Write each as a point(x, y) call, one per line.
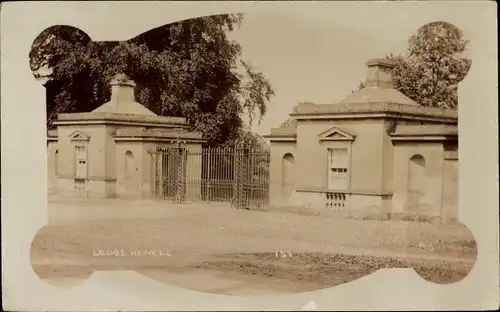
point(338, 169)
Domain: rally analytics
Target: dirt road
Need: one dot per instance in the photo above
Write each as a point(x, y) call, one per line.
point(238, 250)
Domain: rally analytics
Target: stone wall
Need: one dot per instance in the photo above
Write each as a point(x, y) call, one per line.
point(52, 163)
point(450, 190)
point(366, 155)
point(419, 193)
point(277, 195)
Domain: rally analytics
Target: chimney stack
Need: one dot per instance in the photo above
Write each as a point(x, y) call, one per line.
point(122, 89)
point(379, 73)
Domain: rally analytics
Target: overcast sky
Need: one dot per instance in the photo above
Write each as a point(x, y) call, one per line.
point(313, 59)
point(310, 52)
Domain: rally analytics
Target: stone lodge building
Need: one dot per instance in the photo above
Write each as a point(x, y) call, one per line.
point(376, 154)
point(107, 152)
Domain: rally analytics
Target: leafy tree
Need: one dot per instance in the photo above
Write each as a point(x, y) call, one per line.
point(433, 65)
point(249, 139)
point(188, 69)
point(258, 161)
point(289, 123)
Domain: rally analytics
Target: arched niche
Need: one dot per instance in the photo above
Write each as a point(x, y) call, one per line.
point(129, 164)
point(56, 162)
point(287, 175)
point(416, 179)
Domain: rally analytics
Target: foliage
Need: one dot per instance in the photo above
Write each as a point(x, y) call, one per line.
point(188, 68)
point(289, 123)
point(433, 65)
point(252, 140)
point(259, 162)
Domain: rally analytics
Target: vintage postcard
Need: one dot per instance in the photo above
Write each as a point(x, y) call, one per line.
point(249, 156)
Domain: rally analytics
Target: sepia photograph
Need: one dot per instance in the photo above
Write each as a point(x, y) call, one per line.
point(253, 154)
point(152, 167)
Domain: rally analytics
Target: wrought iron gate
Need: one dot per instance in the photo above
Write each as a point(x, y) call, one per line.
point(238, 176)
point(170, 172)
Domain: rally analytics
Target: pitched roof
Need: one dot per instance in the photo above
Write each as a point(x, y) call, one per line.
point(419, 130)
point(378, 95)
point(130, 108)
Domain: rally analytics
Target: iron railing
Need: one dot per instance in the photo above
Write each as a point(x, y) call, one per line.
point(239, 176)
point(336, 201)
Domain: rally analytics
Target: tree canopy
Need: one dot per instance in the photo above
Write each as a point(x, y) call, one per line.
point(189, 69)
point(433, 65)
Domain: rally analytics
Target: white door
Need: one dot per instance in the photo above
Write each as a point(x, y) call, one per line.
point(338, 175)
point(81, 162)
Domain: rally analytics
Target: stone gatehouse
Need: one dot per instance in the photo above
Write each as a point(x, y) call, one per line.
point(376, 154)
point(107, 152)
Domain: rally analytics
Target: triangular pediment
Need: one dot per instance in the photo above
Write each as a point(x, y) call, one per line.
point(336, 134)
point(79, 136)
